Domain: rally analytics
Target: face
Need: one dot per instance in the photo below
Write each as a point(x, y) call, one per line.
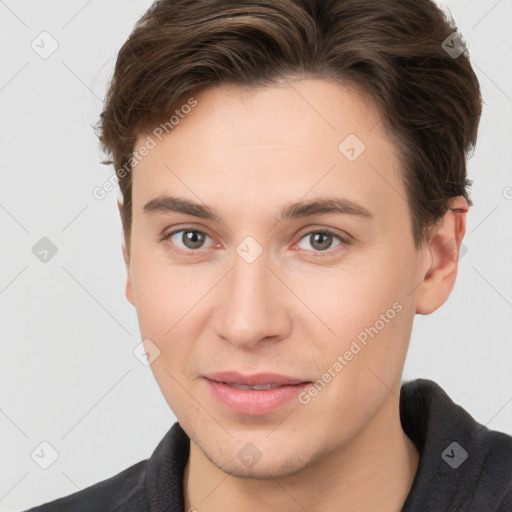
point(318, 295)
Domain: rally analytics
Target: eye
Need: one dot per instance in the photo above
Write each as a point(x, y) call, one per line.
point(189, 240)
point(322, 240)
point(192, 239)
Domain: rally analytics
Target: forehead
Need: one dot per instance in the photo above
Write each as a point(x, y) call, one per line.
point(271, 145)
point(297, 113)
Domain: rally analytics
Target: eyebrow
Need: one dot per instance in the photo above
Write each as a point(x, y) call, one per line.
point(301, 209)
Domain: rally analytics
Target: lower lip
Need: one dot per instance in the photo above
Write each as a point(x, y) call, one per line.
point(254, 402)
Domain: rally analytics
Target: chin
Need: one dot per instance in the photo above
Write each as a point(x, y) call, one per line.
point(260, 460)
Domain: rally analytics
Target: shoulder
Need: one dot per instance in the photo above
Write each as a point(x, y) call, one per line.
point(495, 479)
point(155, 480)
point(464, 465)
point(125, 491)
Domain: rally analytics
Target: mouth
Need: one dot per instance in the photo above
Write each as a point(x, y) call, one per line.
point(257, 387)
point(256, 381)
point(254, 395)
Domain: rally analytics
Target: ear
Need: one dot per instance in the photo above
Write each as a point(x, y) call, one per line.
point(126, 257)
point(442, 257)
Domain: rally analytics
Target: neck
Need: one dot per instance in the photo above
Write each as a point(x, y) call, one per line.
point(373, 472)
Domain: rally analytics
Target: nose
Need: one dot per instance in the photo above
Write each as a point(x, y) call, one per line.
point(252, 305)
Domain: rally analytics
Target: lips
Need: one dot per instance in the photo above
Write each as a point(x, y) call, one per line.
point(257, 381)
point(253, 395)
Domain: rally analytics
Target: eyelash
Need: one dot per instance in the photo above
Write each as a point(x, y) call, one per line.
point(325, 231)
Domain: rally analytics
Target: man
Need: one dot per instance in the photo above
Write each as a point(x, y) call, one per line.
point(294, 192)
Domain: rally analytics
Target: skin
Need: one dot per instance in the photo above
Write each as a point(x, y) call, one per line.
point(297, 307)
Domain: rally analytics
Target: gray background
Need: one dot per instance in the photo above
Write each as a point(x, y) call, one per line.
point(68, 373)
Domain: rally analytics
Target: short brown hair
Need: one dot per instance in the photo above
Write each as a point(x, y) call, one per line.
point(393, 50)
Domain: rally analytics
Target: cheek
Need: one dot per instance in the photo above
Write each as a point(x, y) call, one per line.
point(369, 312)
point(363, 359)
point(169, 300)
point(349, 298)
point(165, 300)
point(163, 293)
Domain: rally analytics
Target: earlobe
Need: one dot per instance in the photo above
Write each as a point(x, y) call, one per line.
point(443, 257)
